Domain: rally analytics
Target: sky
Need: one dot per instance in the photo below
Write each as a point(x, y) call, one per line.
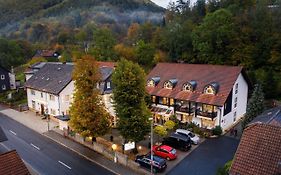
point(164, 3)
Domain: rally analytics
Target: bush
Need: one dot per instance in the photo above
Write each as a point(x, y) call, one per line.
point(217, 131)
point(169, 124)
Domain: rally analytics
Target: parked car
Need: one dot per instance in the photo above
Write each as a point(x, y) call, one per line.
point(159, 164)
point(178, 141)
point(165, 152)
point(194, 138)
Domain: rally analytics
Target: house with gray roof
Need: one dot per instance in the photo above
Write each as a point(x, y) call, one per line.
point(271, 116)
point(50, 89)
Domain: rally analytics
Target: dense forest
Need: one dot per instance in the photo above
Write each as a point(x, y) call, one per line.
point(228, 32)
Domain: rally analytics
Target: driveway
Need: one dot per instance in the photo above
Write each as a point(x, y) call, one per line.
point(208, 157)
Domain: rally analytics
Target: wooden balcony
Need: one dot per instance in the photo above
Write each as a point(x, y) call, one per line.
point(184, 109)
point(211, 115)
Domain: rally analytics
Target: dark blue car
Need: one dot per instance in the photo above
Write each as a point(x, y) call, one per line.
point(159, 164)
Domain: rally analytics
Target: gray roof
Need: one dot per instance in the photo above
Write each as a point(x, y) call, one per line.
point(271, 116)
point(51, 78)
point(2, 135)
point(54, 77)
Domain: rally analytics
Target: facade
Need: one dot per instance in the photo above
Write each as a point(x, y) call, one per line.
point(207, 95)
point(50, 88)
point(258, 152)
point(7, 80)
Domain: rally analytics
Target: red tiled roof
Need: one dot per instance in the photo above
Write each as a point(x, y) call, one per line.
point(44, 53)
point(259, 151)
point(107, 64)
point(11, 164)
point(203, 74)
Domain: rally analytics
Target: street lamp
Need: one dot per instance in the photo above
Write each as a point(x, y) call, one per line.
point(151, 145)
point(114, 147)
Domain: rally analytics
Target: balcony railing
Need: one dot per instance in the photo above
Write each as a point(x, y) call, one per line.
point(211, 115)
point(184, 109)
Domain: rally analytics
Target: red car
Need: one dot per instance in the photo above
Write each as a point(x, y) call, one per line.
point(165, 152)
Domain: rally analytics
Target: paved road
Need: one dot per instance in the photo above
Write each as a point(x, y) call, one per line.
point(44, 155)
point(208, 157)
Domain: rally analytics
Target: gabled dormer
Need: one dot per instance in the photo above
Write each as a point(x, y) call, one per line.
point(189, 86)
point(212, 88)
point(170, 84)
point(152, 82)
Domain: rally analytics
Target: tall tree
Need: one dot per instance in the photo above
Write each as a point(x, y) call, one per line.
point(145, 53)
point(104, 42)
point(88, 116)
point(129, 97)
point(255, 105)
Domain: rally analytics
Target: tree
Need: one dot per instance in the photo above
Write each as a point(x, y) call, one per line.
point(88, 116)
point(129, 97)
point(225, 169)
point(145, 53)
point(104, 43)
point(255, 105)
point(213, 39)
point(160, 131)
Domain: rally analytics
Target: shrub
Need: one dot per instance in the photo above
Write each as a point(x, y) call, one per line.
point(169, 124)
point(217, 130)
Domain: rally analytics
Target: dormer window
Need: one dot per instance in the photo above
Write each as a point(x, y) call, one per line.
point(168, 85)
point(212, 88)
point(152, 82)
point(189, 86)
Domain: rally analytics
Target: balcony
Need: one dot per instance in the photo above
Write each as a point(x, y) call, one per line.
point(184, 109)
point(211, 115)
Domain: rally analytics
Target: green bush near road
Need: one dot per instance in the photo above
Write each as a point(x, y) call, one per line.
point(217, 131)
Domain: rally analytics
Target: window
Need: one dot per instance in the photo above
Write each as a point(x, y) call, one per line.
point(3, 87)
point(163, 100)
point(187, 87)
point(98, 85)
point(53, 112)
point(153, 99)
point(32, 92)
point(108, 85)
point(150, 83)
point(209, 90)
point(66, 98)
point(236, 88)
point(234, 116)
point(172, 101)
point(168, 85)
point(2, 77)
point(33, 104)
point(235, 102)
point(52, 97)
point(41, 95)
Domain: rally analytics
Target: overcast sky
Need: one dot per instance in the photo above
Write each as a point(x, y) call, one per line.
point(164, 3)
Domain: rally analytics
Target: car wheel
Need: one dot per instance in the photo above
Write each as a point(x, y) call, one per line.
point(168, 158)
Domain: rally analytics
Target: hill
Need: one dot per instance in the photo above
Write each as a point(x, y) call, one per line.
point(18, 18)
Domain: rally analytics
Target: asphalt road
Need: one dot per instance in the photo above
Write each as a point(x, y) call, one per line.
point(44, 155)
point(208, 157)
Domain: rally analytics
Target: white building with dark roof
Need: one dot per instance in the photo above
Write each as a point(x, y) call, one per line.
point(50, 88)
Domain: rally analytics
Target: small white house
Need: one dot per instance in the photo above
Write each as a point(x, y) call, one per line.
point(207, 95)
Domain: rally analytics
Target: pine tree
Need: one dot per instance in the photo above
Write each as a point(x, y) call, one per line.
point(129, 96)
point(255, 105)
point(88, 116)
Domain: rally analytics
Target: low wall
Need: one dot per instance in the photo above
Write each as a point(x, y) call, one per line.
point(107, 152)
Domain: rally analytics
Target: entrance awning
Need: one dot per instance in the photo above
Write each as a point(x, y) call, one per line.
point(161, 111)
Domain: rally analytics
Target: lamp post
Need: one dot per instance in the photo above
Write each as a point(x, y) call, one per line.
point(48, 119)
point(114, 147)
point(151, 145)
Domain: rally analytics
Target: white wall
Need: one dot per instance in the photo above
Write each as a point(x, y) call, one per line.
point(240, 109)
point(12, 81)
point(64, 103)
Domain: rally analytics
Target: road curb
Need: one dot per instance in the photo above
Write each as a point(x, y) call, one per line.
point(81, 154)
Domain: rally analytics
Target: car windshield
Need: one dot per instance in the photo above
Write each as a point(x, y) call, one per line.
point(191, 135)
point(173, 151)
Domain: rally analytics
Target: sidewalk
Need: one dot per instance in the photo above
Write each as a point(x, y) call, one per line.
point(30, 120)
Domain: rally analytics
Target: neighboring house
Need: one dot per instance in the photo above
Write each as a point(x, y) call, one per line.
point(36, 67)
point(207, 95)
point(259, 151)
point(7, 80)
point(12, 164)
point(50, 88)
point(46, 54)
point(271, 116)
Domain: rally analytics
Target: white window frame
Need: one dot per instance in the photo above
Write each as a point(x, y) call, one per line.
point(2, 77)
point(236, 88)
point(235, 102)
point(3, 87)
point(32, 92)
point(42, 95)
point(150, 83)
point(52, 97)
point(108, 85)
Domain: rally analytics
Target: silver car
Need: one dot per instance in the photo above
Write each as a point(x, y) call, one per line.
point(193, 137)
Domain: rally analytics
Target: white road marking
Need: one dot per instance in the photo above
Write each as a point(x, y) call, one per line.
point(36, 147)
point(64, 165)
point(13, 132)
point(5, 146)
